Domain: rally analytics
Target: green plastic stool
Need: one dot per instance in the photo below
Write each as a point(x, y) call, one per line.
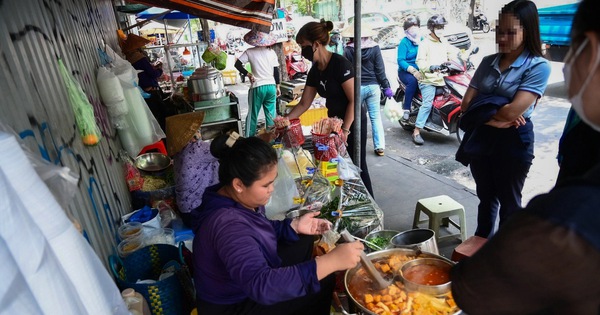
point(439, 209)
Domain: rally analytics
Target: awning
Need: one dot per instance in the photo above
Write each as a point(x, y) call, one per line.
point(255, 14)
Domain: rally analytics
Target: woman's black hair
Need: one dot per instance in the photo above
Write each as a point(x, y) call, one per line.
point(585, 20)
point(526, 12)
point(315, 32)
point(248, 159)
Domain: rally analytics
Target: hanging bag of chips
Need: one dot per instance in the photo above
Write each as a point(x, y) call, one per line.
point(83, 110)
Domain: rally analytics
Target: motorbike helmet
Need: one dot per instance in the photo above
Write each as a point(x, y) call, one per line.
point(411, 21)
point(436, 21)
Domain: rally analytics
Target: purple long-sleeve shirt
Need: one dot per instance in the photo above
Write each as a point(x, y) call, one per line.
point(149, 76)
point(235, 255)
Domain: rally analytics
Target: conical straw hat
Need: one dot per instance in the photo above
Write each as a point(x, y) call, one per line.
point(180, 130)
point(134, 42)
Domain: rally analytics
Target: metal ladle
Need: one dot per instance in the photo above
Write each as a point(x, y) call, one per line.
point(366, 262)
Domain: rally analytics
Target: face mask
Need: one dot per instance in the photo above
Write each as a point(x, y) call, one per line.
point(308, 53)
point(413, 31)
point(577, 99)
point(439, 33)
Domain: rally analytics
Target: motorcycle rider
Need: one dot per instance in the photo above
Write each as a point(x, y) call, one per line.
point(408, 72)
point(434, 50)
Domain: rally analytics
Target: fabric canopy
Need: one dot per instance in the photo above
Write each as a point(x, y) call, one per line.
point(253, 14)
point(173, 15)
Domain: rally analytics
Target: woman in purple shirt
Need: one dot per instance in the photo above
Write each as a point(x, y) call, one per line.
point(238, 269)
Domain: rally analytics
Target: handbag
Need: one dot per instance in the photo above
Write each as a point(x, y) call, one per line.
point(172, 295)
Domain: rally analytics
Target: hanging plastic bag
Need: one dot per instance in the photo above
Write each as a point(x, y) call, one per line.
point(346, 169)
point(83, 110)
point(112, 96)
point(221, 63)
point(284, 192)
point(393, 110)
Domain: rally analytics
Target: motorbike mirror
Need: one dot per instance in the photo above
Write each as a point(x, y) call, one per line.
point(475, 50)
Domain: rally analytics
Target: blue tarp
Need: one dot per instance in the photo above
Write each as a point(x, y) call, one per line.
point(173, 15)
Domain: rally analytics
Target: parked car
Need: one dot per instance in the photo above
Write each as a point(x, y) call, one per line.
point(458, 35)
point(389, 31)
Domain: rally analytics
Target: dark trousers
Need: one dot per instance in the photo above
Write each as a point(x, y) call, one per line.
point(159, 108)
point(499, 185)
point(364, 174)
point(411, 88)
point(318, 303)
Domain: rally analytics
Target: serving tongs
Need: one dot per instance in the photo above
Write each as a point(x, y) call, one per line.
point(366, 262)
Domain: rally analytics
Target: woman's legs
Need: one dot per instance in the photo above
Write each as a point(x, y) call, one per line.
point(427, 93)
point(260, 97)
point(364, 174)
point(411, 84)
point(269, 104)
point(487, 210)
point(370, 95)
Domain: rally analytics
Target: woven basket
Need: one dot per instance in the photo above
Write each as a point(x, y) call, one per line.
point(171, 296)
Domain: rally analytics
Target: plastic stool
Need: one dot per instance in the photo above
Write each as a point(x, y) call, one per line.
point(439, 209)
point(155, 147)
point(468, 248)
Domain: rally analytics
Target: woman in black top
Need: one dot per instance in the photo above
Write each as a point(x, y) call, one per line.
point(332, 76)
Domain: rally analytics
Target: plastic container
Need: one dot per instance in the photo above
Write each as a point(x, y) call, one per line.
point(136, 304)
point(292, 136)
point(129, 246)
point(159, 236)
point(130, 230)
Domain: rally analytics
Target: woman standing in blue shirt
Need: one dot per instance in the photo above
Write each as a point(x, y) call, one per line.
point(519, 73)
point(408, 72)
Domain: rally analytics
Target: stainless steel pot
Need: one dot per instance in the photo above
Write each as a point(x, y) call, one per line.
point(424, 239)
point(382, 255)
point(206, 85)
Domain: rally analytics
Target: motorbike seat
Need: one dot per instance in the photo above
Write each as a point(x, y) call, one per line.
point(440, 90)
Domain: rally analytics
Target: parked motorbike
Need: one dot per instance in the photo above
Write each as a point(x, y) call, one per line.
point(296, 66)
point(480, 23)
point(445, 113)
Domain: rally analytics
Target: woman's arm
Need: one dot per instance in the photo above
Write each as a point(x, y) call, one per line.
point(380, 69)
point(308, 95)
point(401, 58)
point(348, 87)
point(513, 110)
point(466, 101)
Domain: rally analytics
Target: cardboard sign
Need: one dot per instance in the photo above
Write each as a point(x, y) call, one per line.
point(279, 29)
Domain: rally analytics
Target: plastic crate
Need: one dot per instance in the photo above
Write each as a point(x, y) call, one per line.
point(229, 77)
point(312, 115)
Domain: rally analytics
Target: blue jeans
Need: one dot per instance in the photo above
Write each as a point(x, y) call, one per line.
point(370, 95)
point(427, 93)
point(411, 84)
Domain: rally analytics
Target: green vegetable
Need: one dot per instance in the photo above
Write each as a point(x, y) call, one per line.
point(380, 241)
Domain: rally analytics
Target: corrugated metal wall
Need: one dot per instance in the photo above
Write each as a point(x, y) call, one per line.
point(33, 34)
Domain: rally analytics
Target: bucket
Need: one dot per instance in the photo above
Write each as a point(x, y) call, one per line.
point(292, 136)
point(424, 239)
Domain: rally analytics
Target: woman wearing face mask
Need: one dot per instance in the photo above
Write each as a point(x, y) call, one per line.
point(408, 71)
point(433, 51)
point(579, 147)
point(332, 76)
point(501, 147)
point(545, 259)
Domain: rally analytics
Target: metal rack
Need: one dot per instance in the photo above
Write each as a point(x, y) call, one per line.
point(221, 116)
point(197, 51)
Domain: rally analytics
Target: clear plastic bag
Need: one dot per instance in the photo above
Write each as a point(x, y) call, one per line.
point(346, 169)
point(393, 110)
point(284, 194)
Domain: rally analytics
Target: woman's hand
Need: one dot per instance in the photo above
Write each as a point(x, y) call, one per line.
point(506, 124)
point(343, 256)
point(281, 122)
point(309, 225)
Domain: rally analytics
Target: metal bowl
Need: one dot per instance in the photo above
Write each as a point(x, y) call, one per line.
point(441, 265)
point(388, 234)
point(152, 162)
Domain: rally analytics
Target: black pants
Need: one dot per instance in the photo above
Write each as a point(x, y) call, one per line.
point(364, 174)
point(159, 108)
point(318, 303)
point(499, 185)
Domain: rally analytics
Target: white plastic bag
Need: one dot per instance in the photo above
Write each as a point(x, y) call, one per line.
point(393, 110)
point(285, 191)
point(346, 169)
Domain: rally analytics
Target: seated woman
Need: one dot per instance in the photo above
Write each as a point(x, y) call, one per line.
point(194, 167)
point(238, 269)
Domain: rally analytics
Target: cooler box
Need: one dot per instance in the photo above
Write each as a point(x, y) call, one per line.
point(229, 77)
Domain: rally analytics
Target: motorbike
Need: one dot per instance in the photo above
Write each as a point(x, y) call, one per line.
point(296, 66)
point(445, 112)
point(480, 23)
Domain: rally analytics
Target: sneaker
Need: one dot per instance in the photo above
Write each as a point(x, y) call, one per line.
point(417, 139)
point(406, 115)
point(379, 152)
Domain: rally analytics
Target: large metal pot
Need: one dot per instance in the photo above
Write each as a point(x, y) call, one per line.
point(384, 254)
point(206, 85)
point(424, 239)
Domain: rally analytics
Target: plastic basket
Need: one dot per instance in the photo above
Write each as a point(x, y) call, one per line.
point(172, 295)
point(292, 135)
point(312, 115)
point(324, 146)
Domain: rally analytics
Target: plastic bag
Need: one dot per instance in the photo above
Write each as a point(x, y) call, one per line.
point(346, 169)
point(132, 175)
point(221, 63)
point(393, 110)
point(284, 192)
point(83, 110)
point(320, 190)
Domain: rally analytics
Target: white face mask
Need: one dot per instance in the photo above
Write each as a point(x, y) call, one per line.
point(413, 31)
point(439, 33)
point(577, 99)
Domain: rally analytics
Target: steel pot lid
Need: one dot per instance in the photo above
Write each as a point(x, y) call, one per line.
point(206, 72)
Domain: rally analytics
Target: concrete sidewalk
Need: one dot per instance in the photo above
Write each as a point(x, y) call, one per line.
point(398, 184)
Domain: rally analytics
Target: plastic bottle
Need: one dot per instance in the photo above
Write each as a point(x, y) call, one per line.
point(136, 303)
